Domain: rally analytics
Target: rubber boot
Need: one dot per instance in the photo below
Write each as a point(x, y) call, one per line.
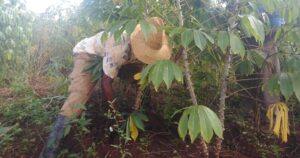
point(51, 147)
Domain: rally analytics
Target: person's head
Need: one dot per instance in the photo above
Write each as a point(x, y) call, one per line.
point(155, 47)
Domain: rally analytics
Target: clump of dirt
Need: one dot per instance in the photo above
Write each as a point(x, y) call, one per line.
point(40, 85)
point(5, 92)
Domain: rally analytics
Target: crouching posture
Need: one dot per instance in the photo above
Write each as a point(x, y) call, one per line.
point(133, 49)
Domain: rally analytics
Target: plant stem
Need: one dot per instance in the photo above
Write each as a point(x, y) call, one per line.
point(201, 145)
point(224, 83)
point(138, 99)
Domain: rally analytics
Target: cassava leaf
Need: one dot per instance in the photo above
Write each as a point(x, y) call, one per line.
point(138, 121)
point(177, 72)
point(223, 40)
point(199, 39)
point(214, 121)
point(156, 74)
point(193, 123)
point(147, 28)
point(245, 67)
point(146, 71)
point(187, 37)
point(296, 84)
point(168, 75)
point(286, 86)
point(133, 130)
point(256, 57)
point(205, 127)
point(273, 85)
point(210, 39)
point(183, 124)
point(237, 45)
point(130, 26)
point(256, 28)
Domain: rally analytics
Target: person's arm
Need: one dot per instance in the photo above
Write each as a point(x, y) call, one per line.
point(106, 84)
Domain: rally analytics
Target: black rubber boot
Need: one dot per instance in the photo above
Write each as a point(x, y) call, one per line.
point(51, 147)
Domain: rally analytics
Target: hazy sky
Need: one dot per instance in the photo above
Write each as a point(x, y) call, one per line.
point(39, 6)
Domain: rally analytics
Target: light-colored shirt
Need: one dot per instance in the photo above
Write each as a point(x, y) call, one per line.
point(115, 54)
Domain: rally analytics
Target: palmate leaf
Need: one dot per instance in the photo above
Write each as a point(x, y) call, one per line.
point(156, 74)
point(286, 86)
point(161, 71)
point(199, 120)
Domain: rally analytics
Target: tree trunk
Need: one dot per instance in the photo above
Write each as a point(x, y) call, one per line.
point(201, 145)
point(268, 70)
point(222, 103)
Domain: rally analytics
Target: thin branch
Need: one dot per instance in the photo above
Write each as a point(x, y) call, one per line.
point(244, 89)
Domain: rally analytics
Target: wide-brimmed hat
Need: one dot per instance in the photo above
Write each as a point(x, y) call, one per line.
point(155, 47)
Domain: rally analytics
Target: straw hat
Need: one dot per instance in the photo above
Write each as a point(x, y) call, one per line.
point(155, 48)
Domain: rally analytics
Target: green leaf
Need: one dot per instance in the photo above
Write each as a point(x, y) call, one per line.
point(67, 130)
point(245, 26)
point(294, 65)
point(214, 121)
point(175, 31)
point(130, 26)
point(211, 40)
point(205, 128)
point(147, 28)
point(168, 74)
point(116, 26)
point(256, 57)
point(177, 72)
point(286, 86)
point(183, 124)
point(199, 39)
point(193, 123)
point(296, 84)
point(273, 85)
point(237, 45)
point(156, 74)
point(187, 37)
point(143, 116)
point(245, 67)
point(163, 70)
point(256, 28)
point(138, 121)
point(146, 71)
point(223, 40)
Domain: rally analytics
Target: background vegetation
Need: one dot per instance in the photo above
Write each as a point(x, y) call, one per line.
point(220, 49)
